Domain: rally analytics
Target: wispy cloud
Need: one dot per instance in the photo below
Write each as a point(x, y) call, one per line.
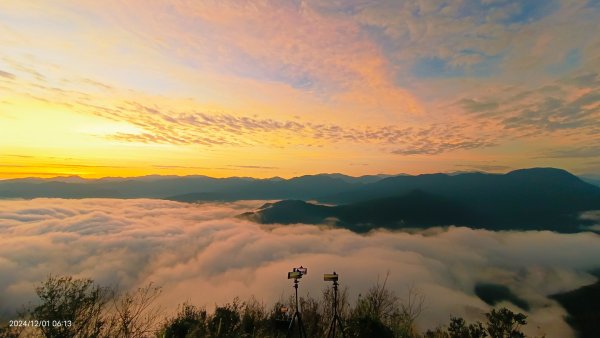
point(35, 173)
point(164, 126)
point(7, 75)
point(252, 167)
point(435, 148)
point(177, 167)
point(583, 152)
point(569, 107)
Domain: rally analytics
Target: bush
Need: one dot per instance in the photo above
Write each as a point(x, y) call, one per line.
point(85, 309)
point(367, 326)
point(505, 323)
point(254, 319)
point(226, 321)
point(99, 312)
point(190, 321)
point(501, 323)
point(459, 329)
point(132, 315)
point(78, 304)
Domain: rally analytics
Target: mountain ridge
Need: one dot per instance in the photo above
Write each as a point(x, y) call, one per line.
point(529, 199)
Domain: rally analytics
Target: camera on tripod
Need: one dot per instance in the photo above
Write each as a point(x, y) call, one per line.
point(297, 273)
point(331, 277)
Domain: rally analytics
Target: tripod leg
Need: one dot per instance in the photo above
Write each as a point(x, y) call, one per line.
point(339, 320)
point(331, 329)
point(289, 331)
point(301, 327)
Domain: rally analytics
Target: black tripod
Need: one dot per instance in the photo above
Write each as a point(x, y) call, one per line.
point(336, 320)
point(296, 317)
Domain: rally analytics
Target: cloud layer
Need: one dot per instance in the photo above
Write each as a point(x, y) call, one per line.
point(425, 84)
point(203, 254)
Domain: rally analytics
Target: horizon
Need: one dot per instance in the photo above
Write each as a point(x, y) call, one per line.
point(297, 87)
point(460, 172)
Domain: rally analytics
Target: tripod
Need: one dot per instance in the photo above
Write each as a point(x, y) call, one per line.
point(336, 320)
point(296, 317)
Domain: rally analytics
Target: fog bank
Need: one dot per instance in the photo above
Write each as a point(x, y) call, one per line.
point(201, 253)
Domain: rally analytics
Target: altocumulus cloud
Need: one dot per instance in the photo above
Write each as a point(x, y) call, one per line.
point(203, 254)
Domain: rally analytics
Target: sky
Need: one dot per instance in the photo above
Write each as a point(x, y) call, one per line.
point(287, 88)
point(201, 254)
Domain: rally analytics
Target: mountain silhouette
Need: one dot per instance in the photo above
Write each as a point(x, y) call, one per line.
point(527, 199)
point(186, 188)
point(583, 307)
point(534, 199)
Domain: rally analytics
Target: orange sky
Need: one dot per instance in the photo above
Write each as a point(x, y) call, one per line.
point(286, 88)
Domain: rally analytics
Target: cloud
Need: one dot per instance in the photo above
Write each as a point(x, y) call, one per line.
point(16, 155)
point(569, 106)
point(452, 38)
point(58, 165)
point(583, 152)
point(35, 173)
point(164, 126)
point(551, 113)
point(474, 106)
point(7, 75)
point(368, 78)
point(434, 147)
point(586, 80)
point(177, 167)
point(592, 215)
point(201, 253)
point(252, 167)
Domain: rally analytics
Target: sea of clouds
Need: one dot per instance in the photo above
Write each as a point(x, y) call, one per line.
point(202, 254)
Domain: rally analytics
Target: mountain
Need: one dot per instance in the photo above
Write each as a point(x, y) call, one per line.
point(537, 198)
point(583, 308)
point(527, 199)
point(416, 209)
point(57, 189)
point(591, 179)
point(186, 188)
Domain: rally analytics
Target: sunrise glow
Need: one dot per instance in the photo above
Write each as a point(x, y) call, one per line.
point(289, 88)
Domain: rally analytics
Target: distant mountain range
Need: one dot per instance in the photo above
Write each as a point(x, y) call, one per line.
point(330, 188)
point(537, 198)
point(185, 188)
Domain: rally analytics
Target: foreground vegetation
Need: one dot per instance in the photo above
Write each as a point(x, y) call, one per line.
point(71, 307)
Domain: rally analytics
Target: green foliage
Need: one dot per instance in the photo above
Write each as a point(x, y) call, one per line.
point(501, 323)
point(278, 320)
point(190, 321)
point(100, 312)
point(381, 305)
point(76, 308)
point(378, 303)
point(439, 332)
point(254, 319)
point(78, 304)
point(366, 326)
point(312, 316)
point(10, 332)
point(459, 329)
point(226, 320)
point(504, 323)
